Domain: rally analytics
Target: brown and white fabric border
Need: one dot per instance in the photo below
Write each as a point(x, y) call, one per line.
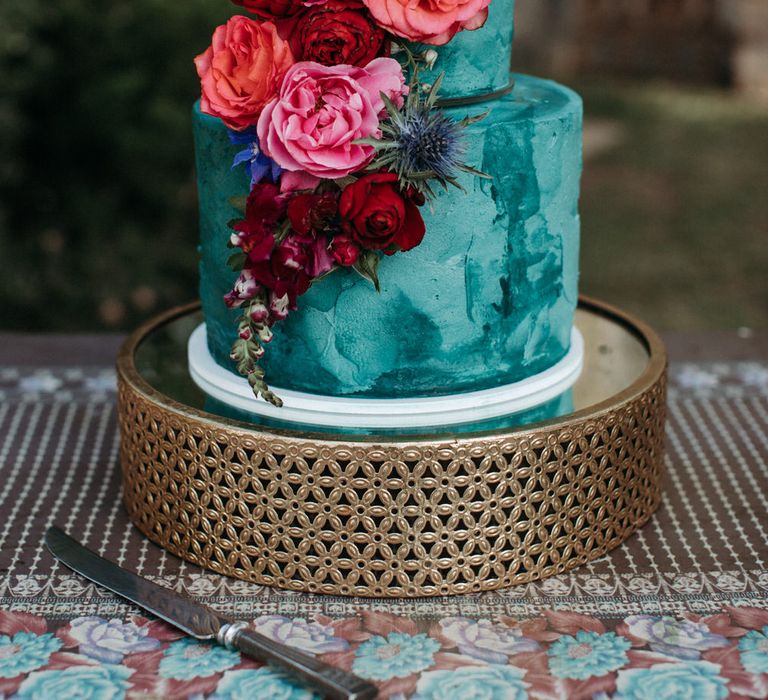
point(705, 549)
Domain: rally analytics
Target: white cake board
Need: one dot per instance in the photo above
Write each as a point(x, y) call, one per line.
point(349, 412)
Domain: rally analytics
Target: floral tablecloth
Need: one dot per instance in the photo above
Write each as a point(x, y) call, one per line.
point(680, 611)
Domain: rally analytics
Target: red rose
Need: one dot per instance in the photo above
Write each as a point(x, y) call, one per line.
point(375, 214)
point(344, 250)
point(271, 9)
point(339, 31)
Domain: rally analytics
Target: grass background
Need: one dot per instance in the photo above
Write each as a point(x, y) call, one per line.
point(675, 209)
point(97, 197)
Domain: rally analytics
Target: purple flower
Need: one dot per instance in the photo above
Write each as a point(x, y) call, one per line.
point(311, 637)
point(110, 640)
point(258, 164)
point(682, 639)
point(484, 640)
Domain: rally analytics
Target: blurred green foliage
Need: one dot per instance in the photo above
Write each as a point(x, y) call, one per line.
point(97, 199)
point(675, 214)
point(98, 222)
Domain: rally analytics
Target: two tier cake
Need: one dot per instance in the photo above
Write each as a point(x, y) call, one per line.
point(389, 217)
point(390, 242)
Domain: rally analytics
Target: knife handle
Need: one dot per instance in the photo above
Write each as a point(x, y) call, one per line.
point(333, 682)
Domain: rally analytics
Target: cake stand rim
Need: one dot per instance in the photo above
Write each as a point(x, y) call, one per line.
point(651, 374)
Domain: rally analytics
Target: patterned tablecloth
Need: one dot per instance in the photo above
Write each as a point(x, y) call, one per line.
point(680, 611)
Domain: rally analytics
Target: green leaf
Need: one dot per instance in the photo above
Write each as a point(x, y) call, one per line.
point(434, 91)
point(367, 141)
point(335, 268)
point(367, 265)
point(393, 112)
point(282, 231)
point(474, 171)
point(236, 261)
point(344, 182)
point(473, 120)
point(412, 102)
point(422, 175)
point(239, 203)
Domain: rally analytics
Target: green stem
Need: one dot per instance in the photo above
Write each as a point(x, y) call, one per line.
point(247, 350)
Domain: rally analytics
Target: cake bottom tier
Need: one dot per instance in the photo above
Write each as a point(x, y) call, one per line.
point(486, 300)
point(542, 397)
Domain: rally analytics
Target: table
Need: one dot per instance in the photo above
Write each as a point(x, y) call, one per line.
point(683, 606)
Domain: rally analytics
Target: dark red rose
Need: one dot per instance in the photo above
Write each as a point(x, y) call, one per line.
point(344, 250)
point(311, 214)
point(375, 214)
point(271, 9)
point(339, 31)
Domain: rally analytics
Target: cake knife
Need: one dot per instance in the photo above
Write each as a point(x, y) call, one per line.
point(200, 622)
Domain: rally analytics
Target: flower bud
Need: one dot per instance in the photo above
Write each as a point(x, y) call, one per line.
point(265, 334)
point(258, 312)
point(232, 300)
point(245, 334)
point(246, 287)
point(278, 306)
point(344, 250)
point(430, 58)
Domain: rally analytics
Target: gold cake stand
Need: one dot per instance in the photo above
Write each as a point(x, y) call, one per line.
point(393, 516)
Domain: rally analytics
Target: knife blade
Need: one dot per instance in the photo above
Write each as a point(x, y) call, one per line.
point(200, 622)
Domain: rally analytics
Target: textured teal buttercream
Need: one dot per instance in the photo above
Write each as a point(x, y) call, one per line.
point(477, 62)
point(487, 299)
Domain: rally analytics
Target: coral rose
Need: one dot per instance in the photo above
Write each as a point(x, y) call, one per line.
point(375, 214)
point(242, 70)
point(429, 21)
point(320, 112)
point(340, 31)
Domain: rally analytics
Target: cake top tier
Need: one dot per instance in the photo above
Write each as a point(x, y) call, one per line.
point(477, 62)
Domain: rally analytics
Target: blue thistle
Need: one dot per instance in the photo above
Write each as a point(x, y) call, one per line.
point(428, 141)
point(421, 144)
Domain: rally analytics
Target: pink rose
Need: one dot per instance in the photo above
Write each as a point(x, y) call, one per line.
point(242, 70)
point(320, 111)
point(429, 21)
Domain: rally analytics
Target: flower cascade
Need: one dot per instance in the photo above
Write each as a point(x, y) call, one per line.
point(342, 144)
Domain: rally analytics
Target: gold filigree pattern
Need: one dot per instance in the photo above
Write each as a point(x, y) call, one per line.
point(390, 519)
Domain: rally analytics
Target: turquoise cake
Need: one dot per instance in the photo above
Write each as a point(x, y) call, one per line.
point(487, 299)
